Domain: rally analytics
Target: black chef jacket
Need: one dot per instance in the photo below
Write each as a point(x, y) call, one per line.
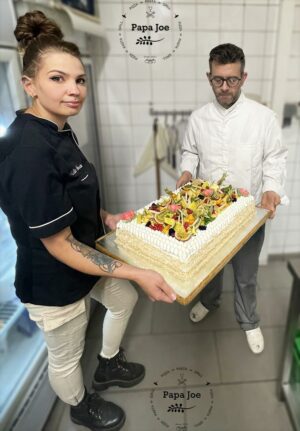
point(46, 184)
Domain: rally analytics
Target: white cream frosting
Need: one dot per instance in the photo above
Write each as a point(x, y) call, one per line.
point(183, 250)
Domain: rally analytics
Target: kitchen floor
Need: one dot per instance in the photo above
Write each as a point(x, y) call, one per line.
point(199, 377)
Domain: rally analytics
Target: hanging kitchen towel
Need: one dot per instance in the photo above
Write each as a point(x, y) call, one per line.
point(181, 129)
point(147, 158)
point(169, 170)
point(173, 136)
point(169, 163)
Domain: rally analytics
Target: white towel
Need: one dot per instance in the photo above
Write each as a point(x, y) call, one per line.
point(148, 156)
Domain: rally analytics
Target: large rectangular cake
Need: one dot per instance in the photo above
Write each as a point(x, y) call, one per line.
point(183, 230)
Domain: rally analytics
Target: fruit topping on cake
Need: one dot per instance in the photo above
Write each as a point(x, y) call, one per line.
point(182, 213)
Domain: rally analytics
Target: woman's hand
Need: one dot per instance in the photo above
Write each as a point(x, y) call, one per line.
point(185, 178)
point(111, 220)
point(154, 285)
point(65, 248)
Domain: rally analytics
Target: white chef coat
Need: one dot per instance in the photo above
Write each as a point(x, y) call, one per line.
point(244, 141)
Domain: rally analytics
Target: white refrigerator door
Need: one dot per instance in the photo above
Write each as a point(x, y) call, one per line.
point(25, 394)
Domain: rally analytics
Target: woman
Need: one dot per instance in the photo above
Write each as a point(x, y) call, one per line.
point(49, 192)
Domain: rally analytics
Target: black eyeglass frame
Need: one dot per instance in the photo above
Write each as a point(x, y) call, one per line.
point(225, 80)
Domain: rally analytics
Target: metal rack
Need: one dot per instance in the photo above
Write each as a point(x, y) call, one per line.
point(166, 113)
point(289, 390)
point(162, 113)
point(9, 314)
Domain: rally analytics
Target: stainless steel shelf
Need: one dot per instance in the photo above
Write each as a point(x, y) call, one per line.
point(288, 390)
point(291, 393)
point(9, 313)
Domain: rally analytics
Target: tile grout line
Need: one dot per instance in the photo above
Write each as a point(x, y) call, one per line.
point(218, 356)
point(152, 320)
point(200, 331)
point(215, 385)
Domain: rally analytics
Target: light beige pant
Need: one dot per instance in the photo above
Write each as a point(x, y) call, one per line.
point(65, 338)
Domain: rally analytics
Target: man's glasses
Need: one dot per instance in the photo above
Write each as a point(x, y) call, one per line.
point(218, 81)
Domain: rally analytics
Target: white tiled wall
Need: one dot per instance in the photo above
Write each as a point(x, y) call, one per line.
point(285, 236)
point(125, 88)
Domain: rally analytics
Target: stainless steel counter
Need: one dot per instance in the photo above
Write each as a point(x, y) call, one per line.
point(289, 390)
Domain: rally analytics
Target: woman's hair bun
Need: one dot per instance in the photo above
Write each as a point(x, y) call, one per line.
point(34, 24)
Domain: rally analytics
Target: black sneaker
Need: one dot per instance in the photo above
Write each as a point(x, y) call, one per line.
point(117, 372)
point(97, 414)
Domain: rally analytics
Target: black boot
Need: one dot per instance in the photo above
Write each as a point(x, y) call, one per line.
point(117, 372)
point(98, 415)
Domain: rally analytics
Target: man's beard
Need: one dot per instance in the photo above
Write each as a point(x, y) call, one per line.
point(232, 99)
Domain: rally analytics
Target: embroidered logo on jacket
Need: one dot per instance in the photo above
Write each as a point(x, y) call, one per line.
point(76, 169)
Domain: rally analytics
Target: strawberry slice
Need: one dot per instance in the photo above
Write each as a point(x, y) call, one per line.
point(127, 215)
point(244, 192)
point(156, 226)
point(174, 207)
point(208, 192)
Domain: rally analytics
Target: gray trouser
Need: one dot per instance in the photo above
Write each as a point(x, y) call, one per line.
point(245, 267)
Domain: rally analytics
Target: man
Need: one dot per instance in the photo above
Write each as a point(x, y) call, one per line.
point(241, 137)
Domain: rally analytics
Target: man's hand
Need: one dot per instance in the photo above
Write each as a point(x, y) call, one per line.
point(154, 285)
point(185, 178)
point(269, 201)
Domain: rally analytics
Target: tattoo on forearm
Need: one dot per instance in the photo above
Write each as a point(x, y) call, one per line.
point(106, 263)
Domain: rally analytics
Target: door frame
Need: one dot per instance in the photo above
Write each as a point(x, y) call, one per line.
point(10, 56)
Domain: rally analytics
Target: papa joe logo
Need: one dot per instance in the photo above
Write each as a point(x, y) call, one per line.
point(150, 31)
point(182, 399)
